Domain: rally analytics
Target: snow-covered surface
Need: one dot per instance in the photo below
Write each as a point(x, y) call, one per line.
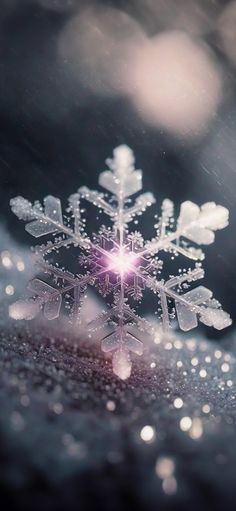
point(72, 432)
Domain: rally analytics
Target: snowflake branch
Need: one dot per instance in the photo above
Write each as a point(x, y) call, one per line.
point(97, 199)
point(166, 243)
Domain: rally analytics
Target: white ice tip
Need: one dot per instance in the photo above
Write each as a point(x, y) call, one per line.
point(122, 364)
point(123, 156)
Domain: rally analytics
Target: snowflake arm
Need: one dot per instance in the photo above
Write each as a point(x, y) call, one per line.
point(191, 306)
point(49, 296)
point(49, 220)
point(122, 181)
point(194, 224)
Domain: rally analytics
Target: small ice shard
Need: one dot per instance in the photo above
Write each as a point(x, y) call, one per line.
point(121, 363)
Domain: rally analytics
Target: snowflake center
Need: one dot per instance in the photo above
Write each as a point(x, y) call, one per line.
point(122, 262)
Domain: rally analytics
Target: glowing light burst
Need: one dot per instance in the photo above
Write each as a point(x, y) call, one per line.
point(122, 262)
point(119, 263)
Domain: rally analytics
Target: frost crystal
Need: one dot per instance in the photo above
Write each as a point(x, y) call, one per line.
point(119, 263)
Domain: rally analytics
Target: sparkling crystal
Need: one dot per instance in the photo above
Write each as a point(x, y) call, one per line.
point(119, 263)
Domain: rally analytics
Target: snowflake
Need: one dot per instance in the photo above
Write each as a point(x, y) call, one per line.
point(119, 263)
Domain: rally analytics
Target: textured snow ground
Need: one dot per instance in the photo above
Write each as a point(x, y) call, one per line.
point(72, 434)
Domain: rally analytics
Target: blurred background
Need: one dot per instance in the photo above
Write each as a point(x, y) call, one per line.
point(78, 78)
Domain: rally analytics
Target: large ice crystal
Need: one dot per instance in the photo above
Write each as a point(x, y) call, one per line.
point(119, 263)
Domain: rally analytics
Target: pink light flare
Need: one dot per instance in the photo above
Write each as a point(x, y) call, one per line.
point(122, 262)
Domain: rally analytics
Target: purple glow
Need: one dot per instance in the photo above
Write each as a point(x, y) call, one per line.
point(114, 262)
point(122, 262)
